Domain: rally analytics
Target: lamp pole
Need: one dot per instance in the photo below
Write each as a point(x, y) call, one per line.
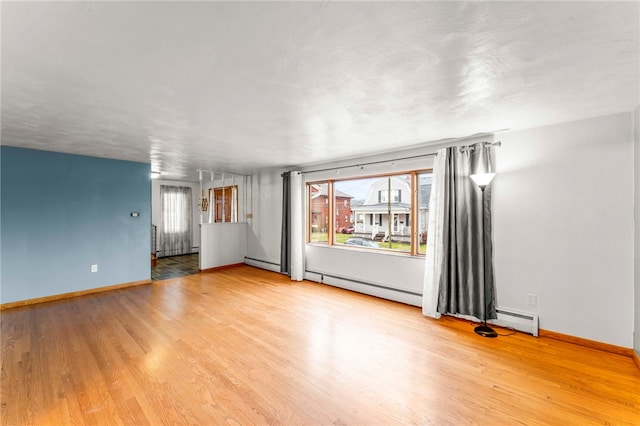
point(482, 180)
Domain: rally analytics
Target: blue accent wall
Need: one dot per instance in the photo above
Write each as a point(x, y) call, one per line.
point(61, 213)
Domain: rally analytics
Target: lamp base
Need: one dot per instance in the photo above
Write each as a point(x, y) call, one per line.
point(485, 331)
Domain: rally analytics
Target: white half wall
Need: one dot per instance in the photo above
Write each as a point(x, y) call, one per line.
point(195, 196)
point(563, 226)
point(223, 244)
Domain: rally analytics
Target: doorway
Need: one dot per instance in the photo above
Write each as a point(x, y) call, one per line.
point(174, 250)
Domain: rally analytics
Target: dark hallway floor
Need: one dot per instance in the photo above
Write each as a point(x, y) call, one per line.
point(175, 266)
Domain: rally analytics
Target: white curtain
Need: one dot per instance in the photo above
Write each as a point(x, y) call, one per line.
point(234, 203)
point(433, 266)
point(212, 204)
point(297, 227)
point(176, 229)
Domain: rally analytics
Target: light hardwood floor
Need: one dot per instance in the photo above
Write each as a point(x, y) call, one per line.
point(246, 346)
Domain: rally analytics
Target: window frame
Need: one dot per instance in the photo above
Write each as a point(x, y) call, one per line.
point(332, 211)
point(217, 195)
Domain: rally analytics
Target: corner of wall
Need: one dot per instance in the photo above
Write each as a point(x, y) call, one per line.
point(636, 232)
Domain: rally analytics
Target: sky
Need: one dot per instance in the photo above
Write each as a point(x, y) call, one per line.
point(358, 188)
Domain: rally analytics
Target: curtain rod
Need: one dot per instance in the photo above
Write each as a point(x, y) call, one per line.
point(413, 157)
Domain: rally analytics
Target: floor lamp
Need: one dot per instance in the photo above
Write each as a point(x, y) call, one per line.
point(482, 180)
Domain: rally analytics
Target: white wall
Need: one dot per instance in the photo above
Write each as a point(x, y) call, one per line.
point(636, 340)
point(563, 226)
point(265, 221)
point(563, 229)
point(393, 277)
point(195, 194)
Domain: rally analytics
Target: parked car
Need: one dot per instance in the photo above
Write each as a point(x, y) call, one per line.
point(348, 229)
point(361, 242)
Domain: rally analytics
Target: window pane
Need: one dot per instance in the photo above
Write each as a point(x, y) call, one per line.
point(379, 220)
point(344, 227)
point(424, 192)
point(319, 213)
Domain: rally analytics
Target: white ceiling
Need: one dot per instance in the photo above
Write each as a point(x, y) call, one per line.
point(241, 86)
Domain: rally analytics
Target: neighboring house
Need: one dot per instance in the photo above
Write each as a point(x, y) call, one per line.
point(372, 217)
point(424, 194)
point(387, 207)
point(320, 209)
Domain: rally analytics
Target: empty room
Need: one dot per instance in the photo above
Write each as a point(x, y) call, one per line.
point(323, 212)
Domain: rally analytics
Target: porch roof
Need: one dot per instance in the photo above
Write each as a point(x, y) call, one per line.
point(382, 208)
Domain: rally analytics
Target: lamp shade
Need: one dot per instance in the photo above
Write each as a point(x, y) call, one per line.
point(482, 179)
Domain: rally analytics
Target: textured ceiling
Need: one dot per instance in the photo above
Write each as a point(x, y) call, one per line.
point(242, 86)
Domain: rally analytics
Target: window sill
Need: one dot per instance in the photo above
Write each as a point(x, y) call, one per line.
point(367, 250)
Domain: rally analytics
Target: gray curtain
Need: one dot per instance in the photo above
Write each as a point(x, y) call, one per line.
point(176, 221)
point(285, 258)
point(464, 268)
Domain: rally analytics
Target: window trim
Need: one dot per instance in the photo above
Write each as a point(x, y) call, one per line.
point(213, 203)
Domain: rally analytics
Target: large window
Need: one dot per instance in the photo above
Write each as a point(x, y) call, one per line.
point(380, 213)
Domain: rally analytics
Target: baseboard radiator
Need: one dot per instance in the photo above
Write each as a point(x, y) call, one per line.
point(262, 264)
point(520, 321)
point(365, 287)
point(509, 318)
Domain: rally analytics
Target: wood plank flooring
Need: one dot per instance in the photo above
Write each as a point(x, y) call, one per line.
point(246, 346)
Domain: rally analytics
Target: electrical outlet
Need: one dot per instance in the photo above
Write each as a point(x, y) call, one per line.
point(94, 268)
point(532, 299)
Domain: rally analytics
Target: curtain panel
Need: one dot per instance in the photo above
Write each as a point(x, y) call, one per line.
point(292, 238)
point(285, 258)
point(176, 224)
point(459, 247)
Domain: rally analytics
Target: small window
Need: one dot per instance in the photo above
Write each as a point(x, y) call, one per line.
point(396, 196)
point(225, 203)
